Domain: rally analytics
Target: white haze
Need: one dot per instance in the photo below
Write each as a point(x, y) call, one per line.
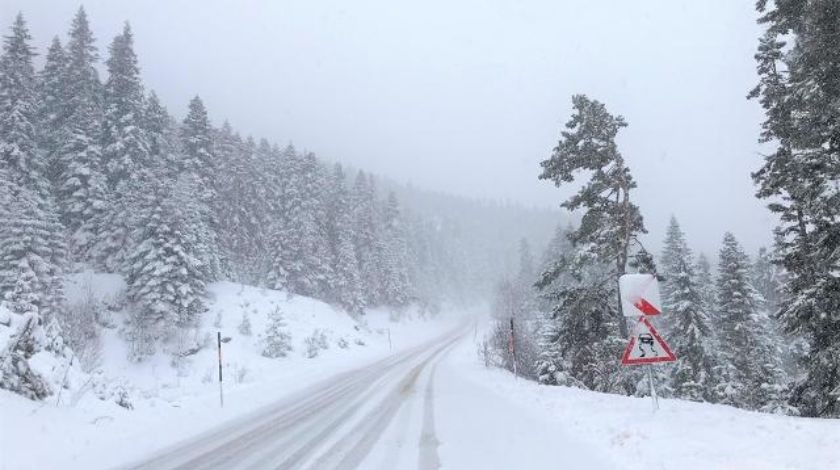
point(467, 97)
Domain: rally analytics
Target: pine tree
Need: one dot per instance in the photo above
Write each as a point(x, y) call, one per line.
point(161, 133)
point(611, 222)
point(367, 238)
point(52, 112)
point(706, 286)
point(29, 284)
point(125, 148)
point(693, 377)
point(18, 141)
point(125, 154)
point(395, 290)
point(166, 277)
point(304, 258)
point(579, 341)
point(604, 242)
point(277, 342)
point(199, 156)
point(81, 189)
point(799, 65)
point(767, 279)
point(672, 254)
point(31, 234)
point(198, 163)
point(751, 372)
point(245, 325)
point(346, 287)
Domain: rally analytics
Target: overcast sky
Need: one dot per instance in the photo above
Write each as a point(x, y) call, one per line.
point(468, 97)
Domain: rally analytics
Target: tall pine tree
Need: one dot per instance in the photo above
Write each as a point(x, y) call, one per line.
point(604, 242)
point(798, 62)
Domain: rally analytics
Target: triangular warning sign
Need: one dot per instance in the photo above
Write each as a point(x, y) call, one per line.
point(646, 346)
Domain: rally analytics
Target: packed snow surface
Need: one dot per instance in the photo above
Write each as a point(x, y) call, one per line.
point(425, 401)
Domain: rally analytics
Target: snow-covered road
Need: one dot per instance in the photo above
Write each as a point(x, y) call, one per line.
point(411, 410)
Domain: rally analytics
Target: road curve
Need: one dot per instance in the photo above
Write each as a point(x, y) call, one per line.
point(333, 424)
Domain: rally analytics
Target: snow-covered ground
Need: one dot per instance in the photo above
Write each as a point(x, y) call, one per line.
point(172, 403)
point(430, 405)
point(626, 433)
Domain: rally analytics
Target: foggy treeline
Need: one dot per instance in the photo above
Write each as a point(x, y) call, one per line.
point(97, 174)
point(761, 333)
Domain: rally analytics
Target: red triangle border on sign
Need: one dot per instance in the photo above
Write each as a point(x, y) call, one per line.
point(627, 361)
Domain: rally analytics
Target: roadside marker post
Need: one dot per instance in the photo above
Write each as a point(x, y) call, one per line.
point(221, 390)
point(513, 349)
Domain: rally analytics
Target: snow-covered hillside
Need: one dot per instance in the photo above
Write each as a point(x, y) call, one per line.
point(169, 399)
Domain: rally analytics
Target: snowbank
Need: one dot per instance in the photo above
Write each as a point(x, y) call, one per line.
point(681, 435)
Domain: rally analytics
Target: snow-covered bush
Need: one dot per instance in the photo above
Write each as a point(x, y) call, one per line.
point(80, 323)
point(277, 342)
point(245, 325)
point(315, 343)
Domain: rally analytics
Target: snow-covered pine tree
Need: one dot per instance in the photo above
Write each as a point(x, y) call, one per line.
point(243, 206)
point(799, 69)
point(557, 247)
point(751, 374)
point(580, 341)
point(81, 189)
point(199, 156)
point(395, 290)
point(693, 376)
point(199, 163)
point(611, 222)
point(673, 254)
point(166, 277)
point(126, 156)
point(245, 325)
point(767, 279)
point(706, 287)
point(607, 234)
point(125, 146)
point(29, 286)
point(277, 342)
point(19, 154)
point(30, 227)
point(161, 133)
point(367, 238)
point(304, 257)
point(345, 286)
point(52, 99)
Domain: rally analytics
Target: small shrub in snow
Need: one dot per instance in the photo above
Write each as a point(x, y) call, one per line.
point(245, 325)
point(240, 373)
point(315, 343)
point(359, 342)
point(342, 343)
point(277, 342)
point(80, 324)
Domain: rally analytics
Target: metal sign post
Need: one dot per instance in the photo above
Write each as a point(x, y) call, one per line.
point(652, 388)
point(221, 390)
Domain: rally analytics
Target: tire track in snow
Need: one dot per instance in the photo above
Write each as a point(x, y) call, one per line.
point(350, 451)
point(294, 431)
point(428, 458)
